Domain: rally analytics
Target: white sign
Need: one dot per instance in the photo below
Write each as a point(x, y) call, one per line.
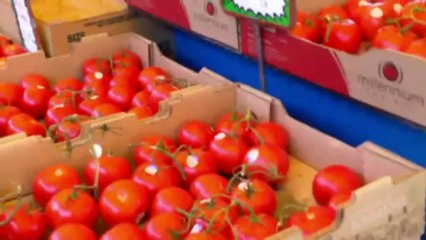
point(273, 8)
point(25, 23)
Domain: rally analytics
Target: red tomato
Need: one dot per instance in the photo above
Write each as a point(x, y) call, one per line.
point(267, 162)
point(339, 199)
point(228, 152)
point(256, 194)
point(270, 133)
point(152, 76)
point(166, 226)
point(415, 12)
point(24, 123)
point(308, 27)
point(26, 224)
point(333, 12)
point(159, 93)
point(390, 37)
point(35, 101)
point(216, 212)
point(375, 17)
point(195, 163)
point(169, 199)
point(142, 112)
point(94, 89)
point(357, 7)
point(127, 56)
point(6, 113)
point(208, 186)
point(121, 97)
point(141, 99)
point(124, 81)
point(123, 231)
point(51, 180)
point(151, 149)
point(124, 201)
point(88, 106)
point(111, 169)
point(196, 134)
point(94, 65)
point(70, 84)
point(57, 114)
point(417, 48)
point(105, 109)
point(31, 80)
point(72, 206)
point(68, 129)
point(156, 177)
point(66, 98)
point(5, 40)
point(333, 180)
point(10, 93)
point(205, 236)
point(313, 220)
point(234, 124)
point(12, 50)
point(73, 232)
point(97, 77)
point(344, 35)
point(261, 228)
point(129, 71)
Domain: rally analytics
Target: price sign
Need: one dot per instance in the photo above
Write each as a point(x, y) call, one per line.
point(26, 24)
point(279, 13)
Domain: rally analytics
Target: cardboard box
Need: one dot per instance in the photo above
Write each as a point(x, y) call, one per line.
point(100, 46)
point(391, 81)
point(56, 37)
point(390, 206)
point(8, 24)
point(205, 17)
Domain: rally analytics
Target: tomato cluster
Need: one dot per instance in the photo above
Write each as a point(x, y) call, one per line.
point(109, 86)
point(211, 183)
point(398, 25)
point(8, 48)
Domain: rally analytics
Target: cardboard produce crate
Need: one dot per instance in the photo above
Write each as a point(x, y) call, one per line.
point(390, 206)
point(388, 80)
point(204, 17)
point(8, 24)
point(102, 46)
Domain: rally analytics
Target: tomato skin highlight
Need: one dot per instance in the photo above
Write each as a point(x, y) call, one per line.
point(267, 162)
point(257, 194)
point(6, 113)
point(196, 163)
point(313, 220)
point(307, 27)
point(156, 177)
point(123, 201)
point(229, 152)
point(390, 37)
point(72, 206)
point(145, 151)
point(52, 180)
point(333, 180)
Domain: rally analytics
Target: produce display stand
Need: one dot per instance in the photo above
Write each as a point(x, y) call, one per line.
point(384, 191)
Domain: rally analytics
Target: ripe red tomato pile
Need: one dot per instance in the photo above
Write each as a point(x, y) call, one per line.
point(212, 183)
point(8, 49)
point(108, 86)
point(398, 25)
